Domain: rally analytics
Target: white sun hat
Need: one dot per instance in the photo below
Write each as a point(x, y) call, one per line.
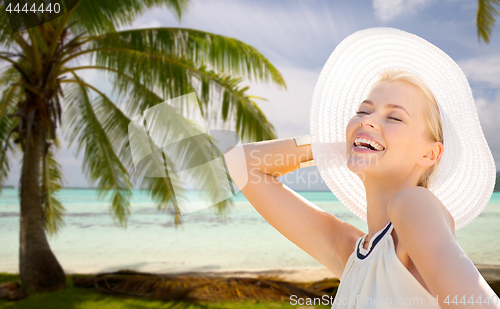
point(465, 176)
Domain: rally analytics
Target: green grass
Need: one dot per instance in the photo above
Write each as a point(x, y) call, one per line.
point(80, 298)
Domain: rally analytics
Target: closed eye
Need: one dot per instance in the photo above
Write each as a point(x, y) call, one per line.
point(393, 118)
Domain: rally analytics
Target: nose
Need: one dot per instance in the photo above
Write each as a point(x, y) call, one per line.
point(368, 121)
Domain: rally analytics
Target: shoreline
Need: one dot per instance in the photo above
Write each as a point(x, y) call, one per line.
point(491, 273)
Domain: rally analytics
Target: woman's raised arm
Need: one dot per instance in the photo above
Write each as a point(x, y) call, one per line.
point(320, 234)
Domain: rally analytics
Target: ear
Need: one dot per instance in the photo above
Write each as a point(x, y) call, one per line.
point(434, 152)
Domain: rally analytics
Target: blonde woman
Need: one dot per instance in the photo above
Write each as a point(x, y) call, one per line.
point(396, 137)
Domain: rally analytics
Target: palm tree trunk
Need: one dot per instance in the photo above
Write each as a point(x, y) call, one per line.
point(38, 266)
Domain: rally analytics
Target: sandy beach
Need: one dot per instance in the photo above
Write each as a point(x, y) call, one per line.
point(294, 275)
point(491, 273)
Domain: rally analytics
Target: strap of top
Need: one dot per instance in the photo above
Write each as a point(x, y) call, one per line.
point(360, 256)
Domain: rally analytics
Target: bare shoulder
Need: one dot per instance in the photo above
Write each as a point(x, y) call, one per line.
point(427, 236)
point(419, 207)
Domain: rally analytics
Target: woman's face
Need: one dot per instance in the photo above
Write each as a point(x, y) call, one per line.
point(388, 135)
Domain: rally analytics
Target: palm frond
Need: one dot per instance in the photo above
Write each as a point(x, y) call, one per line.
point(51, 182)
point(9, 96)
point(172, 125)
point(161, 189)
point(133, 80)
point(485, 18)
point(7, 125)
point(115, 124)
point(8, 83)
point(107, 15)
point(190, 153)
point(194, 152)
point(236, 105)
point(5, 29)
point(222, 54)
point(135, 98)
point(100, 161)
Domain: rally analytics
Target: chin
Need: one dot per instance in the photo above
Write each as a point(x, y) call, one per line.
point(359, 169)
point(357, 163)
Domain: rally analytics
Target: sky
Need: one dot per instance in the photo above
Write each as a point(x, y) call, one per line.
point(298, 36)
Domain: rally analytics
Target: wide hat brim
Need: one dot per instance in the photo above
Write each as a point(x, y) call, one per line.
point(465, 176)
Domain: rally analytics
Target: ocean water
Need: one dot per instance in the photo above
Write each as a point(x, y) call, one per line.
point(91, 242)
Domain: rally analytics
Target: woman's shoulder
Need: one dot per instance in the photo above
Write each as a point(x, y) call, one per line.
point(418, 207)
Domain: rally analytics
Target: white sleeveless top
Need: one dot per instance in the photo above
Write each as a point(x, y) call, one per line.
point(376, 278)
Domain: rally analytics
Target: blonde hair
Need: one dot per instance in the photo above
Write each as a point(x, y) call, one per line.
point(433, 118)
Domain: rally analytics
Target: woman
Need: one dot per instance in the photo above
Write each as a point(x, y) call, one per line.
point(400, 153)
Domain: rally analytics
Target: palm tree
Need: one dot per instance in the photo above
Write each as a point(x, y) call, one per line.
point(485, 18)
point(41, 89)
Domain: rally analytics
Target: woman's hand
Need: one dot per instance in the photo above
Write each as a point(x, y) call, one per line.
point(274, 158)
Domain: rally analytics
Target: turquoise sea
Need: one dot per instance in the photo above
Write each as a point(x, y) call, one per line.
point(91, 242)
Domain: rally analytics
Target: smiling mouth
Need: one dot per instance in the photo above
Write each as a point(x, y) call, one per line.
point(368, 144)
